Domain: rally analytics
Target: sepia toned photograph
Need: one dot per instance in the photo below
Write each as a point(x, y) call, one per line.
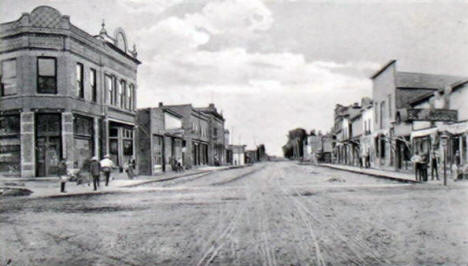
point(233, 132)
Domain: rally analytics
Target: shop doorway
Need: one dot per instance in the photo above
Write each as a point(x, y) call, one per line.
point(48, 143)
point(158, 153)
point(47, 155)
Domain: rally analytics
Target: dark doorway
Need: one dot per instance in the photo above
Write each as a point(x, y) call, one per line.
point(48, 143)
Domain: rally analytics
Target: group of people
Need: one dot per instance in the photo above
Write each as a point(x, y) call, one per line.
point(422, 162)
point(364, 160)
point(176, 165)
point(95, 168)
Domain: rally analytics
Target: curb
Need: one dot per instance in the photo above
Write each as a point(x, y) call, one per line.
point(179, 176)
point(121, 189)
point(372, 174)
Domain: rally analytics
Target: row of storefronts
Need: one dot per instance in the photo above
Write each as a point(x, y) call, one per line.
point(409, 113)
point(68, 95)
point(179, 135)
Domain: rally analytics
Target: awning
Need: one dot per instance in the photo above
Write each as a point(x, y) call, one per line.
point(424, 132)
point(380, 132)
point(177, 133)
point(455, 129)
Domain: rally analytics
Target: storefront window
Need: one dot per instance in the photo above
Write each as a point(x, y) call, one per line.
point(10, 144)
point(83, 126)
point(113, 132)
point(128, 147)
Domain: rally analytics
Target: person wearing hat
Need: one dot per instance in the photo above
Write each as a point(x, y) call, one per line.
point(106, 166)
point(95, 171)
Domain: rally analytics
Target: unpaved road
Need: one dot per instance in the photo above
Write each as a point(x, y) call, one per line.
point(267, 214)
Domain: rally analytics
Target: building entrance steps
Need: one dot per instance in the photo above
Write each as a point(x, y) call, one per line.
point(50, 186)
point(388, 174)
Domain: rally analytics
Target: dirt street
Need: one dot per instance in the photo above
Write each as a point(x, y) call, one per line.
point(267, 214)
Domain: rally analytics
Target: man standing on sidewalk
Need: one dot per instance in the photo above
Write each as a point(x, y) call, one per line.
point(106, 166)
point(95, 171)
point(434, 165)
point(416, 159)
point(62, 174)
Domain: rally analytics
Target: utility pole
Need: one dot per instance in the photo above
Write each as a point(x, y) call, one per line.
point(444, 140)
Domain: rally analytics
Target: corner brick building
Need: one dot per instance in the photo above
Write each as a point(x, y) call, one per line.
point(64, 94)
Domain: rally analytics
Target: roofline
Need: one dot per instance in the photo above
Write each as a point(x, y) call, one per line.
point(455, 85)
point(70, 30)
point(393, 61)
point(177, 105)
point(172, 112)
point(118, 50)
point(412, 88)
point(356, 116)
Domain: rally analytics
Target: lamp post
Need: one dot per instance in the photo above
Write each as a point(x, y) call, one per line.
point(443, 141)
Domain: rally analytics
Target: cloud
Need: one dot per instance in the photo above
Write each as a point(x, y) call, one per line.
point(238, 19)
point(222, 17)
point(145, 6)
point(237, 67)
point(172, 36)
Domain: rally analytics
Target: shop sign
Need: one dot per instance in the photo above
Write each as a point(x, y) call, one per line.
point(432, 115)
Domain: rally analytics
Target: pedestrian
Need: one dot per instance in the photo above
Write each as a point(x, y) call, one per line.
point(423, 166)
point(62, 174)
point(434, 165)
point(106, 167)
point(416, 159)
point(129, 167)
point(173, 163)
point(457, 159)
point(95, 171)
point(367, 159)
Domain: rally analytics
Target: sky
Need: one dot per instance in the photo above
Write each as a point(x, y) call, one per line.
point(272, 66)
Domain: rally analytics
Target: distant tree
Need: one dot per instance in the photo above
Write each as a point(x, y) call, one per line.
point(293, 148)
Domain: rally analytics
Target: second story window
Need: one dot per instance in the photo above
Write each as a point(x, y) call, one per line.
point(123, 94)
point(46, 75)
point(79, 80)
point(92, 83)
point(110, 89)
point(8, 78)
point(376, 113)
point(131, 97)
point(389, 105)
point(382, 110)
